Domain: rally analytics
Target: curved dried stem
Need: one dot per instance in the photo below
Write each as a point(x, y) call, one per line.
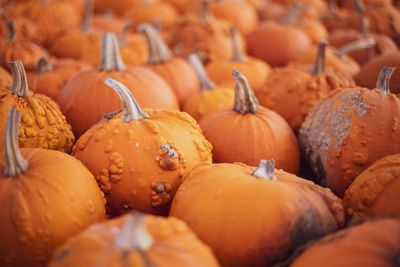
point(333, 6)
point(356, 45)
point(293, 14)
point(88, 16)
point(134, 235)
point(43, 66)
point(359, 5)
point(122, 35)
point(245, 100)
point(20, 84)
point(205, 82)
point(131, 109)
point(12, 31)
point(384, 79)
point(110, 58)
point(265, 170)
point(15, 163)
point(205, 10)
point(319, 64)
point(364, 25)
point(237, 49)
point(158, 50)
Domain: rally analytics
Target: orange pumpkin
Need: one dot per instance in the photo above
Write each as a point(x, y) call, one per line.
point(166, 144)
point(25, 29)
point(132, 46)
point(150, 89)
point(135, 240)
point(210, 98)
point(43, 125)
point(348, 130)
point(273, 211)
point(50, 77)
point(102, 23)
point(371, 244)
point(255, 70)
point(292, 91)
point(119, 7)
point(47, 196)
point(375, 191)
point(5, 79)
point(254, 132)
point(16, 49)
point(179, 74)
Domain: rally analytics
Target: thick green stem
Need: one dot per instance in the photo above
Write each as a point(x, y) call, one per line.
point(15, 163)
point(245, 100)
point(384, 79)
point(158, 50)
point(20, 84)
point(110, 58)
point(205, 82)
point(265, 170)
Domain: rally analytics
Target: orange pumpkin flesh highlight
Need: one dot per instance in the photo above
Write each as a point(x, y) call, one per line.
point(252, 132)
point(272, 210)
point(142, 156)
point(135, 240)
point(47, 196)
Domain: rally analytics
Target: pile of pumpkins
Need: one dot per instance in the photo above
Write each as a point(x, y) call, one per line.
point(200, 133)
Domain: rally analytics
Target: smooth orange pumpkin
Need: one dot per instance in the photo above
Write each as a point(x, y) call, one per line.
point(5, 79)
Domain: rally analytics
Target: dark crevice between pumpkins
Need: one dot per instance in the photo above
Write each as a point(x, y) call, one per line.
point(205, 82)
point(244, 99)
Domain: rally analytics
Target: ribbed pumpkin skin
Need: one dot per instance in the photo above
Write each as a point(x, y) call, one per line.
point(228, 208)
point(347, 131)
point(42, 123)
point(371, 244)
point(251, 137)
point(87, 94)
point(56, 198)
point(130, 161)
point(375, 191)
point(174, 245)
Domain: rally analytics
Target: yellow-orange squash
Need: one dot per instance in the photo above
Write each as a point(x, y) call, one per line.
point(46, 197)
point(375, 191)
point(254, 217)
point(371, 244)
point(135, 240)
point(42, 125)
point(141, 156)
point(348, 130)
point(5, 79)
point(252, 132)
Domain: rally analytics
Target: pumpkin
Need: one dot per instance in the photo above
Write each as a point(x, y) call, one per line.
point(16, 49)
point(210, 98)
point(119, 7)
point(25, 29)
point(50, 77)
point(272, 210)
point(5, 79)
point(292, 91)
point(47, 196)
point(42, 125)
point(374, 243)
point(369, 72)
point(255, 132)
point(150, 89)
point(179, 74)
point(268, 10)
point(275, 43)
point(148, 11)
point(255, 70)
point(166, 144)
point(102, 23)
point(132, 46)
point(382, 44)
point(348, 130)
point(135, 240)
point(205, 35)
point(375, 191)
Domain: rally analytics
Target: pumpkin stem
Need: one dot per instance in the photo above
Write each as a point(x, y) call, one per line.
point(332, 6)
point(205, 10)
point(43, 66)
point(43, 2)
point(265, 170)
point(205, 82)
point(364, 26)
point(237, 52)
point(134, 235)
point(319, 64)
point(122, 35)
point(110, 58)
point(158, 50)
point(384, 79)
point(15, 163)
point(88, 17)
point(109, 14)
point(359, 5)
point(12, 31)
point(156, 24)
point(131, 109)
point(245, 100)
point(19, 86)
point(292, 15)
point(356, 45)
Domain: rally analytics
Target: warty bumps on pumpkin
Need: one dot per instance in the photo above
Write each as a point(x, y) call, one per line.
point(141, 156)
